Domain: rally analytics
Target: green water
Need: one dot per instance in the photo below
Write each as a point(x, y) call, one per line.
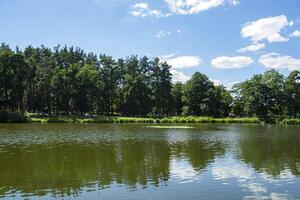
point(140, 161)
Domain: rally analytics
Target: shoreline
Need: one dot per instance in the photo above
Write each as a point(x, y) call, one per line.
point(34, 118)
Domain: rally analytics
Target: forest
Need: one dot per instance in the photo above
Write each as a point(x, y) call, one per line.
point(68, 81)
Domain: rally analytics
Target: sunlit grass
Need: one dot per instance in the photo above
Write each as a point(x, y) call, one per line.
point(42, 118)
point(291, 121)
point(106, 119)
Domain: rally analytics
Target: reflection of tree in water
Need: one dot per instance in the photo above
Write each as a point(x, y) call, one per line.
point(198, 153)
point(69, 167)
point(270, 151)
point(65, 169)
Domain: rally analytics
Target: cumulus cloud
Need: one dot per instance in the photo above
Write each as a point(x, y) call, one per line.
point(183, 7)
point(277, 61)
point(143, 10)
point(295, 34)
point(186, 7)
point(252, 48)
point(266, 28)
point(180, 62)
point(225, 62)
point(179, 76)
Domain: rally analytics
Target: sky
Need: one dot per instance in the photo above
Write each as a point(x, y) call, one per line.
point(228, 40)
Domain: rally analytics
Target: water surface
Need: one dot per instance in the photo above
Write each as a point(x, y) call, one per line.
point(140, 161)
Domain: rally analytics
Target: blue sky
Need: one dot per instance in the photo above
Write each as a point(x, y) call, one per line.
point(229, 40)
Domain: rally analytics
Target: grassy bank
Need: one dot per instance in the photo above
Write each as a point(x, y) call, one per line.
point(35, 118)
point(291, 121)
point(145, 120)
point(106, 119)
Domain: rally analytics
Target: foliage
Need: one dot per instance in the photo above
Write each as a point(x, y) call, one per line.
point(177, 92)
point(66, 81)
point(110, 119)
point(261, 96)
point(197, 94)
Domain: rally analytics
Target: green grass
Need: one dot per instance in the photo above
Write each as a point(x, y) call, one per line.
point(106, 119)
point(291, 121)
point(36, 118)
point(208, 120)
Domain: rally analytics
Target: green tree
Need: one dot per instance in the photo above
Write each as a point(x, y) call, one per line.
point(110, 73)
point(162, 86)
point(13, 73)
point(219, 102)
point(136, 93)
point(196, 92)
point(292, 92)
point(41, 67)
point(177, 91)
point(89, 86)
point(262, 95)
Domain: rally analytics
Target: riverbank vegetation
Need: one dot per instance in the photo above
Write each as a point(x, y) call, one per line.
point(67, 84)
point(36, 118)
point(105, 119)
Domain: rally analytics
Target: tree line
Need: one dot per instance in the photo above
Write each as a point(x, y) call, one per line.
point(67, 80)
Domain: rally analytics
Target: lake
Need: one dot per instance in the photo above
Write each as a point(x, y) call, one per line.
point(148, 161)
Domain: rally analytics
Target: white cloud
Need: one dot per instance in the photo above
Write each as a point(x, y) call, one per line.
point(253, 47)
point(295, 34)
point(277, 61)
point(186, 7)
point(266, 28)
point(162, 33)
point(229, 85)
point(179, 76)
point(216, 82)
point(143, 10)
point(183, 7)
point(225, 62)
point(226, 83)
point(277, 38)
point(180, 62)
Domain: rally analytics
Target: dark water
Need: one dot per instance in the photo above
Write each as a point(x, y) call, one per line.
point(106, 161)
